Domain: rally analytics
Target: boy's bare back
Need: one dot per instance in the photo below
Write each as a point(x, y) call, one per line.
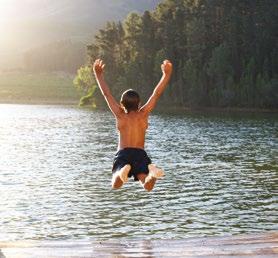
point(132, 128)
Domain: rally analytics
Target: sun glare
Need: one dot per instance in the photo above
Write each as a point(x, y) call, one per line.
point(6, 7)
point(8, 16)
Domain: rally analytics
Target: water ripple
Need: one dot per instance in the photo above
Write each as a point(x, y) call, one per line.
point(55, 171)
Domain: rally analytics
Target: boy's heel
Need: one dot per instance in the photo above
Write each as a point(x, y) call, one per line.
point(155, 171)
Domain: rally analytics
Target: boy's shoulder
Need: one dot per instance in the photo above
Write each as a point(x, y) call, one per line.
point(132, 115)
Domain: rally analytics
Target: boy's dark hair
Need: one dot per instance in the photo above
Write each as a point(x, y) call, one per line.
point(130, 100)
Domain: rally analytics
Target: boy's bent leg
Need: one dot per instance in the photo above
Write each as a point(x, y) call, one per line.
point(148, 181)
point(120, 177)
point(147, 184)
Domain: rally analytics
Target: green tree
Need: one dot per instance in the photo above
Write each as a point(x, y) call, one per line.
point(85, 82)
point(224, 52)
point(221, 73)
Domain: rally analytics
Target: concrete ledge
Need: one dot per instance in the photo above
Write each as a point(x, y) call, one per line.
point(259, 245)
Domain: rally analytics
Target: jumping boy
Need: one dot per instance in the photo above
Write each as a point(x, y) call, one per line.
point(132, 123)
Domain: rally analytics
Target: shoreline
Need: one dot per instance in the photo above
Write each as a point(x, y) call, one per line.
point(75, 102)
point(40, 102)
point(251, 245)
point(216, 110)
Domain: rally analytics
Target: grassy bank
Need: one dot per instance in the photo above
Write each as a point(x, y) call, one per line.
point(40, 88)
point(57, 88)
point(202, 110)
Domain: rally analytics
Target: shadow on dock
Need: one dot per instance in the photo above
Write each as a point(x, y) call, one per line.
point(259, 245)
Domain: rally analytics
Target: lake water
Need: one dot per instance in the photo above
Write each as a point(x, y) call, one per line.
point(55, 172)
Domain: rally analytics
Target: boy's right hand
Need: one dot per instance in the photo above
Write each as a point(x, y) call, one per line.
point(98, 67)
point(166, 67)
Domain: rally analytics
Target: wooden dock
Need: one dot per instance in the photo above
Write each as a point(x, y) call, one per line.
point(259, 245)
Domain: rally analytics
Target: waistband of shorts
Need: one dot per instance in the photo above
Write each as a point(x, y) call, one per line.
point(131, 149)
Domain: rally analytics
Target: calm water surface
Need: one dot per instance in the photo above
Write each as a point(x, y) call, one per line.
point(55, 172)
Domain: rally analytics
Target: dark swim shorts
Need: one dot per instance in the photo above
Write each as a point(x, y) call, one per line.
point(136, 158)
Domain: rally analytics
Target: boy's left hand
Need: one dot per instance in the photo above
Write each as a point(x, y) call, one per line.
point(98, 67)
point(167, 67)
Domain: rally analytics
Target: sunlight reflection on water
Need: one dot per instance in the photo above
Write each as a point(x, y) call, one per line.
point(55, 171)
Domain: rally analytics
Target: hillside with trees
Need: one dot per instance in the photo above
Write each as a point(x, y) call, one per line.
point(66, 56)
point(225, 53)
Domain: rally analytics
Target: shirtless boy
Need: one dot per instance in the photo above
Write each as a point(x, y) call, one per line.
point(132, 123)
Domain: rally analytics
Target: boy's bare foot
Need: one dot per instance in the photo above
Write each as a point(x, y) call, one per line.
point(155, 172)
point(123, 173)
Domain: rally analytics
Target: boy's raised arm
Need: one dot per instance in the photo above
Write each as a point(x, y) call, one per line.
point(98, 69)
point(166, 68)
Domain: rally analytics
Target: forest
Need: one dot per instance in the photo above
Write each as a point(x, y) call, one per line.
point(225, 53)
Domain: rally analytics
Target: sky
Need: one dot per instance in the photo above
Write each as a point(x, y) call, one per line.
point(16, 10)
point(25, 24)
point(11, 13)
point(10, 10)
point(6, 8)
point(29, 23)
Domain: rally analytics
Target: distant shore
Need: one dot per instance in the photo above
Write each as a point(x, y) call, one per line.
point(58, 89)
point(74, 102)
point(39, 88)
point(40, 101)
point(217, 110)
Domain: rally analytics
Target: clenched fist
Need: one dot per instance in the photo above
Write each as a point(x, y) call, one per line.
point(166, 67)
